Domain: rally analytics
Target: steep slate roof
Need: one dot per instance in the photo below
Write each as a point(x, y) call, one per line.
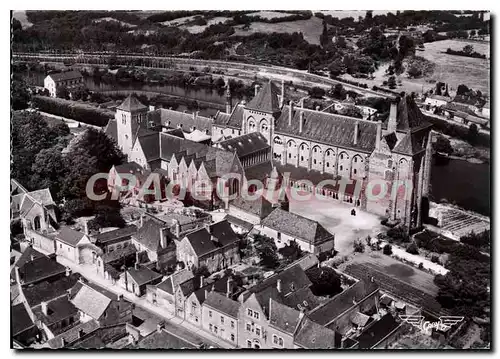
point(131, 104)
point(296, 226)
point(236, 119)
point(246, 144)
point(118, 254)
point(260, 207)
point(69, 236)
point(266, 99)
point(314, 336)
point(41, 267)
point(172, 119)
point(408, 145)
point(170, 284)
point(328, 128)
point(221, 118)
point(377, 331)
point(16, 187)
point(42, 196)
point(72, 334)
point(283, 317)
point(111, 129)
point(202, 242)
point(20, 319)
point(57, 310)
point(45, 291)
point(218, 286)
point(329, 311)
point(91, 302)
point(149, 234)
point(63, 76)
point(409, 116)
point(163, 340)
point(222, 304)
point(143, 275)
point(120, 233)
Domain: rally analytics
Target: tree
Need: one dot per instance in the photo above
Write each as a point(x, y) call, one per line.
point(351, 111)
point(442, 145)
point(62, 92)
point(472, 134)
point(49, 170)
point(412, 248)
point(316, 92)
point(468, 49)
point(336, 68)
point(325, 281)
point(291, 252)
point(202, 271)
point(387, 249)
point(266, 250)
point(414, 71)
point(338, 92)
point(358, 246)
point(20, 96)
point(391, 82)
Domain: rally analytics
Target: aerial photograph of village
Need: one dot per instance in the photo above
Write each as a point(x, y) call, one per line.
point(245, 179)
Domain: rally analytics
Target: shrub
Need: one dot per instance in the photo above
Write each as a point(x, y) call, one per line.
point(421, 265)
point(412, 248)
point(387, 249)
point(435, 259)
point(358, 246)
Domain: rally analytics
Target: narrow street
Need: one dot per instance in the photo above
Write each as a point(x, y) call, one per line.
point(171, 321)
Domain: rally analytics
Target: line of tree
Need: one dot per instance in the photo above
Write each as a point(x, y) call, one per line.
point(70, 109)
point(467, 51)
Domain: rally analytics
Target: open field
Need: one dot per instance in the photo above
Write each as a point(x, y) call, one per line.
point(196, 29)
point(311, 28)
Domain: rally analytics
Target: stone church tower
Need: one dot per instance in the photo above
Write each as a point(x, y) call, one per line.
point(262, 111)
point(130, 117)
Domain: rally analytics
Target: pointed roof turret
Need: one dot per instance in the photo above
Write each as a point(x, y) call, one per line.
point(131, 104)
point(266, 99)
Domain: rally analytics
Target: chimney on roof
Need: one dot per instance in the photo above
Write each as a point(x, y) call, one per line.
point(68, 271)
point(356, 132)
point(282, 99)
point(163, 239)
point(378, 139)
point(177, 228)
point(229, 289)
point(160, 326)
point(301, 124)
point(278, 285)
point(44, 308)
point(290, 114)
point(256, 89)
point(86, 227)
point(392, 123)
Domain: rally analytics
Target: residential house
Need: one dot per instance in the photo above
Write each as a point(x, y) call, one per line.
point(96, 303)
point(193, 304)
point(34, 267)
point(251, 211)
point(381, 333)
point(154, 238)
point(56, 316)
point(285, 227)
point(437, 100)
point(291, 288)
point(115, 239)
point(214, 246)
point(342, 312)
point(23, 328)
point(163, 294)
point(109, 265)
point(220, 316)
point(310, 335)
point(69, 79)
point(136, 279)
point(72, 335)
point(75, 246)
point(161, 339)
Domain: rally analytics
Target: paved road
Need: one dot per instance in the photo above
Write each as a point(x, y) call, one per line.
point(171, 321)
point(272, 71)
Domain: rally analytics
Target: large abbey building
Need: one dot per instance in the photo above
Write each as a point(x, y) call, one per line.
point(316, 145)
point(267, 133)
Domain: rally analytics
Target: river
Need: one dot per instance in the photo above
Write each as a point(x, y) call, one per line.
point(459, 182)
